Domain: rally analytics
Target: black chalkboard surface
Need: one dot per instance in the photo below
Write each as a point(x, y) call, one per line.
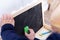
point(31, 18)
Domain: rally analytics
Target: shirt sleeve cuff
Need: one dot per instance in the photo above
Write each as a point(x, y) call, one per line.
point(7, 27)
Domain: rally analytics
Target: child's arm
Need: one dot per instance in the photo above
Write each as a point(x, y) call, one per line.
point(54, 36)
point(8, 33)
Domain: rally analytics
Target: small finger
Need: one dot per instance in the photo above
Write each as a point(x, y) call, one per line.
point(31, 31)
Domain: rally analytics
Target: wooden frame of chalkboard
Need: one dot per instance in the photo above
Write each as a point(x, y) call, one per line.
point(30, 15)
point(25, 8)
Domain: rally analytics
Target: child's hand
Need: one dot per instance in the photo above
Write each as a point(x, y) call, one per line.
point(31, 35)
point(7, 19)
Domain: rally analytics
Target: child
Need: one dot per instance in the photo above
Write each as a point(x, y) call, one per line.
point(55, 23)
point(8, 32)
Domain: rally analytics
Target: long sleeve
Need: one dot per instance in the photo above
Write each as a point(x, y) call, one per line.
point(54, 36)
point(8, 33)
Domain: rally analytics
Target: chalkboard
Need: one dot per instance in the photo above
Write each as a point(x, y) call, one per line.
point(32, 18)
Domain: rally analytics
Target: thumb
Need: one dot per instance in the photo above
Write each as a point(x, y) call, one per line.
point(26, 34)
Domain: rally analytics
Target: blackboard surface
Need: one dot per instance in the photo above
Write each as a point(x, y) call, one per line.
point(31, 18)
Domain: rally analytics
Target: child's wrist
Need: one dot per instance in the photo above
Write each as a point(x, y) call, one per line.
point(31, 39)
